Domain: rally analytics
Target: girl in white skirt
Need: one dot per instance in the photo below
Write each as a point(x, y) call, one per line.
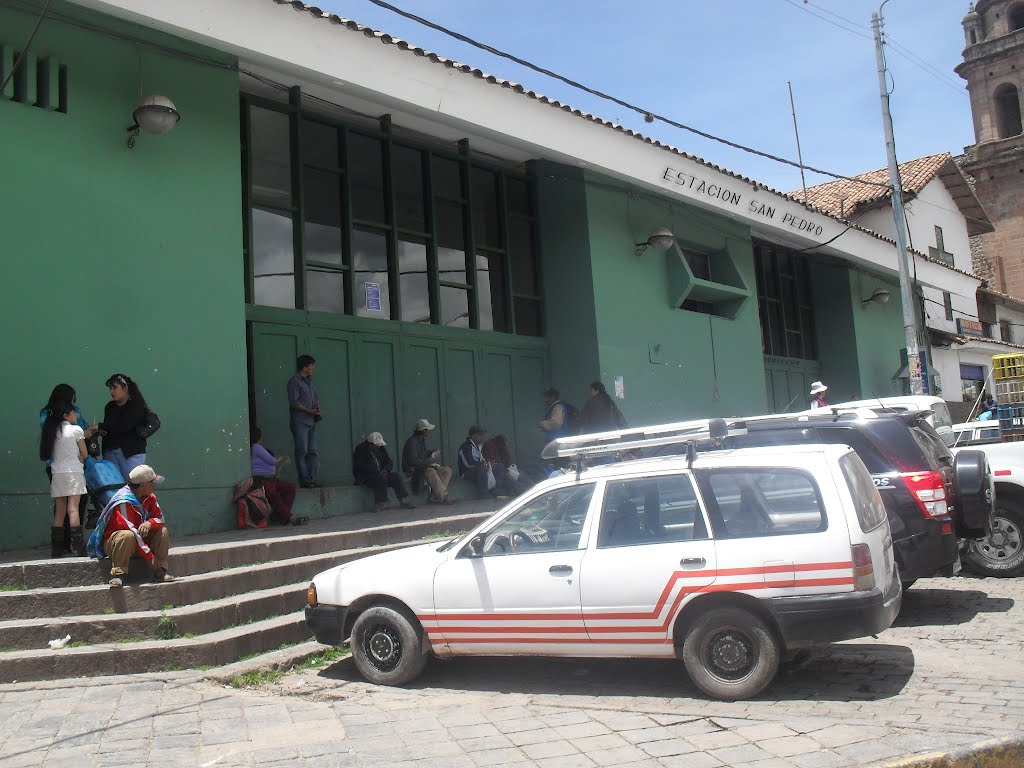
point(63, 443)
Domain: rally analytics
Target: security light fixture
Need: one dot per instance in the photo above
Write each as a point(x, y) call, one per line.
point(154, 114)
point(661, 239)
point(878, 296)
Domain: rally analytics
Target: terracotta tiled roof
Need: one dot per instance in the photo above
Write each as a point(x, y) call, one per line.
point(520, 89)
point(847, 198)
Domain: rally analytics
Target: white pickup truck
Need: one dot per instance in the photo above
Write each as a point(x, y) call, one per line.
point(1002, 553)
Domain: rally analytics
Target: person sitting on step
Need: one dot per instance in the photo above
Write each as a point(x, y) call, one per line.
point(133, 524)
point(373, 468)
point(422, 465)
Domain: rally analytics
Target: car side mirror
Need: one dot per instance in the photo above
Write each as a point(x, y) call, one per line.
point(474, 548)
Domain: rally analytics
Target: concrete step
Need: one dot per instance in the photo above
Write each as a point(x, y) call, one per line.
point(265, 546)
point(166, 624)
point(210, 650)
point(189, 590)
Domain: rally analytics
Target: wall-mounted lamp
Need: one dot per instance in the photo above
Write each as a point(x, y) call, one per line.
point(660, 239)
point(154, 114)
point(878, 296)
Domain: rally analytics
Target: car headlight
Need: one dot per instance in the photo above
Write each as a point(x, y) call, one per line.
point(311, 594)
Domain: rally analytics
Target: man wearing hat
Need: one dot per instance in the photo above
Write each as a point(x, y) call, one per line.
point(421, 462)
point(817, 392)
point(132, 524)
point(473, 466)
point(373, 468)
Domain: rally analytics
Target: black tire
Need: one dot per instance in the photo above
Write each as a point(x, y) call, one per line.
point(1002, 553)
point(386, 646)
point(973, 494)
point(731, 653)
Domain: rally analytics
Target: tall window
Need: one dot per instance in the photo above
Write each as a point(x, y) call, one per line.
point(784, 300)
point(1016, 18)
point(354, 221)
point(1007, 110)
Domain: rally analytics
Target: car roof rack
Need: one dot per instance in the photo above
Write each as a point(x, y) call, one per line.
point(579, 448)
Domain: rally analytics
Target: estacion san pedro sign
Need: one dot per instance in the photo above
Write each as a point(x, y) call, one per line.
point(703, 188)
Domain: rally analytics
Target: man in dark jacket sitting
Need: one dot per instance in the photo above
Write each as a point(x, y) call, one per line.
point(421, 463)
point(373, 468)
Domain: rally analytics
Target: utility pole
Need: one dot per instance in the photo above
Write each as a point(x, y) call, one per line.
point(917, 384)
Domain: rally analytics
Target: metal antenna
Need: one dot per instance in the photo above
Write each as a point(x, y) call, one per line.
point(799, 154)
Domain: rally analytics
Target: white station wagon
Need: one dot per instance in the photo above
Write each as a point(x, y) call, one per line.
point(727, 559)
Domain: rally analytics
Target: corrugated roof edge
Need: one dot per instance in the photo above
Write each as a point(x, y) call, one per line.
point(404, 45)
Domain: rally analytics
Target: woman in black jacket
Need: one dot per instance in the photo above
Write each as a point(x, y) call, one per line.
point(600, 413)
point(122, 417)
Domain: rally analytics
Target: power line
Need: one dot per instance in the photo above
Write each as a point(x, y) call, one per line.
point(805, 9)
point(648, 115)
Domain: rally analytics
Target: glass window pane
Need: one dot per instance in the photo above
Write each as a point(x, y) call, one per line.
point(454, 307)
point(484, 188)
point(321, 203)
point(527, 317)
point(445, 177)
point(807, 329)
point(778, 331)
point(270, 155)
point(650, 511)
point(319, 144)
point(325, 290)
point(273, 259)
point(451, 248)
point(407, 172)
point(520, 247)
point(766, 502)
point(551, 522)
point(370, 259)
point(490, 271)
point(366, 176)
point(518, 193)
point(412, 267)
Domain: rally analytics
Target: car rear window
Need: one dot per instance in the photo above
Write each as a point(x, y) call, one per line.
point(763, 502)
point(870, 510)
point(930, 442)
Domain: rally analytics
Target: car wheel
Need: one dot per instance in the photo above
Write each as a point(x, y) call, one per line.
point(731, 653)
point(386, 646)
point(1002, 553)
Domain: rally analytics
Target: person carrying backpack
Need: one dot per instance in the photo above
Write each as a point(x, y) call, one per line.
point(561, 420)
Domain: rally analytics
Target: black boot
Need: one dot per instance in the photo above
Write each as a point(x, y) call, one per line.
point(77, 543)
point(57, 541)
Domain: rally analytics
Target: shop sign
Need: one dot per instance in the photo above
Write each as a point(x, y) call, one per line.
point(969, 327)
point(703, 188)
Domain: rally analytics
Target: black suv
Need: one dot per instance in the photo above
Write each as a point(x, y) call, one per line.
point(930, 497)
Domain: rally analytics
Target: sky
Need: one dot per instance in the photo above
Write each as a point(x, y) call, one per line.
point(722, 66)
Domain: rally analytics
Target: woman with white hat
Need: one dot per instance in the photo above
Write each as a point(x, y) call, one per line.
point(817, 392)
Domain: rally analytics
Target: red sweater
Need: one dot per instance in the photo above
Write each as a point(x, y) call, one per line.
point(124, 514)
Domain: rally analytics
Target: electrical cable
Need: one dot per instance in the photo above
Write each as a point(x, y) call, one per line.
point(833, 23)
point(647, 114)
point(28, 44)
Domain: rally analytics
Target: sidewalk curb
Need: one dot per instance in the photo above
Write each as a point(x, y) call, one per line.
point(1006, 752)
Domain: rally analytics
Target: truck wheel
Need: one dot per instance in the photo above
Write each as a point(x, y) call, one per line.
point(1002, 553)
point(731, 653)
point(386, 646)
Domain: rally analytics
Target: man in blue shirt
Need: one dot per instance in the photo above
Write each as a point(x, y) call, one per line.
point(304, 413)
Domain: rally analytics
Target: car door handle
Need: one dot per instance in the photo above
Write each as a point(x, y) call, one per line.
point(693, 561)
point(560, 570)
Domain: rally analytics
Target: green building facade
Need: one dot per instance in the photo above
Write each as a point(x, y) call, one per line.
point(428, 280)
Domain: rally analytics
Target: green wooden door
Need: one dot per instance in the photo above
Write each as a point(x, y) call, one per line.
point(274, 350)
point(420, 390)
point(789, 381)
point(333, 352)
point(374, 395)
point(461, 400)
point(528, 385)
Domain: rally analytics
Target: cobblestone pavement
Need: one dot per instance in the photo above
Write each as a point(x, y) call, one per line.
point(950, 673)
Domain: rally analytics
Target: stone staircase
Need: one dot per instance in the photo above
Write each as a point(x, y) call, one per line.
point(238, 595)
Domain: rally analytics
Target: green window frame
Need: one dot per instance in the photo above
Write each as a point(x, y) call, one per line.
point(785, 303)
point(449, 240)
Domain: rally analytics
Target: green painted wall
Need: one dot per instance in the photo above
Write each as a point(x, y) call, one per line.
point(878, 329)
point(676, 364)
point(838, 351)
point(566, 267)
point(123, 260)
